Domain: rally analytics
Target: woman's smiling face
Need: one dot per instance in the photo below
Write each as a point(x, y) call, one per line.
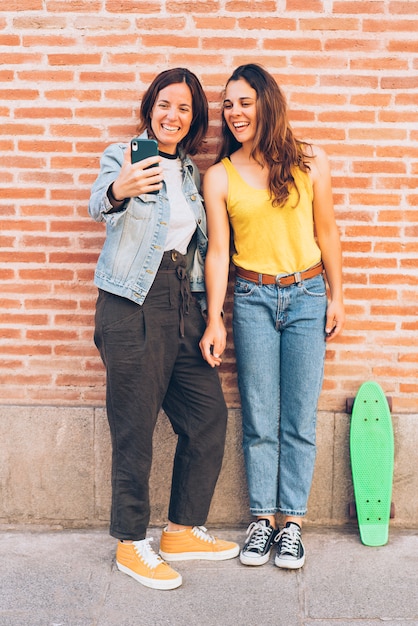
point(240, 110)
point(172, 116)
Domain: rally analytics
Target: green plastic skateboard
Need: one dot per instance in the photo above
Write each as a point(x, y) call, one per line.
point(372, 455)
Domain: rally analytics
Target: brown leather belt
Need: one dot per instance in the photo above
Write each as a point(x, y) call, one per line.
point(281, 281)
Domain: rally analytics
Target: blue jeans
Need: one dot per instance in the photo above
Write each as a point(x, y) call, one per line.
point(279, 336)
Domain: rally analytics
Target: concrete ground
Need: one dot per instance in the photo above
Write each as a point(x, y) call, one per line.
point(69, 578)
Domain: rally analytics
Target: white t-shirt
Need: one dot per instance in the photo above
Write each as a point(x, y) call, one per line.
point(182, 220)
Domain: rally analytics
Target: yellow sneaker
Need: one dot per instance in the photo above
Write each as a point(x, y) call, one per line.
point(138, 559)
point(195, 543)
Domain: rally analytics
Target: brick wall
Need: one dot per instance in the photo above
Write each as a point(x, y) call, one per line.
point(72, 72)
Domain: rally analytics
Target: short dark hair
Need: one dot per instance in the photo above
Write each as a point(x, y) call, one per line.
point(200, 122)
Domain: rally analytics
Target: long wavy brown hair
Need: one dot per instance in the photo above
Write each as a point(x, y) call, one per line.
point(275, 144)
point(199, 126)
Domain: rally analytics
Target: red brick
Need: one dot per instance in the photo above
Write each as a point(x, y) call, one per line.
point(359, 6)
point(267, 6)
point(301, 43)
point(42, 113)
point(216, 23)
point(74, 95)
point(48, 40)
point(19, 95)
point(18, 58)
point(192, 6)
point(304, 5)
point(101, 77)
point(133, 6)
point(74, 59)
point(73, 6)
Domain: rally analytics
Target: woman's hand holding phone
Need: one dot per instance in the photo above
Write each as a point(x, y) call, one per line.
point(135, 178)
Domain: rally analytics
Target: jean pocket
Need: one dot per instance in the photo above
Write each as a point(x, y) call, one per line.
point(244, 287)
point(314, 287)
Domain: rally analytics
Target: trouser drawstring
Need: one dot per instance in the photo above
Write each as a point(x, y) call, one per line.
point(185, 296)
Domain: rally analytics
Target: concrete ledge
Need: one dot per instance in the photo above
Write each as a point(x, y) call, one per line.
point(55, 470)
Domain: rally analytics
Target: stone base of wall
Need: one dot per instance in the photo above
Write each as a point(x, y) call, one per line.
point(55, 470)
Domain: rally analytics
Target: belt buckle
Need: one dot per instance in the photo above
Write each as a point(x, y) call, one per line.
point(296, 278)
point(174, 255)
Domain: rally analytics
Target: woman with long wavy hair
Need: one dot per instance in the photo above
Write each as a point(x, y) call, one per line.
point(273, 192)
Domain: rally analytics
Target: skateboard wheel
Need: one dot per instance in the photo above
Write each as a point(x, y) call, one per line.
point(349, 402)
point(349, 405)
point(352, 511)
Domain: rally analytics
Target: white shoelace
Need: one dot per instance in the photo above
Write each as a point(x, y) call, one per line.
point(146, 553)
point(289, 541)
point(257, 534)
point(201, 533)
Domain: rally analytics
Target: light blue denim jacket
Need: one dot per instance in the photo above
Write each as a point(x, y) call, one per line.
point(136, 235)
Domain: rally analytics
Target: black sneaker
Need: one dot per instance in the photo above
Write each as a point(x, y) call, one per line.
point(258, 543)
point(290, 550)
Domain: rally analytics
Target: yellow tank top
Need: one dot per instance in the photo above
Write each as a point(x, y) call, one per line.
point(267, 239)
